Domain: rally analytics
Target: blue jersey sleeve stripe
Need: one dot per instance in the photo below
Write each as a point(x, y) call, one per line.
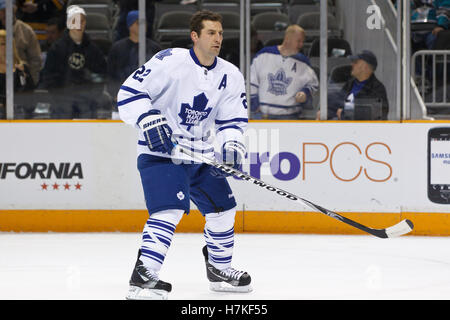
point(232, 120)
point(231, 127)
point(131, 90)
point(138, 97)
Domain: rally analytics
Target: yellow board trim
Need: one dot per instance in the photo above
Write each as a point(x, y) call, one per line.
point(426, 224)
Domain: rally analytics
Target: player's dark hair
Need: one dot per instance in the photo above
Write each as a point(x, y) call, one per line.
point(200, 16)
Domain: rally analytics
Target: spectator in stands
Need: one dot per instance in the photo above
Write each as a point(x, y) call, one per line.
point(36, 13)
point(125, 6)
point(27, 44)
point(123, 57)
point(363, 84)
point(22, 77)
point(53, 31)
point(74, 70)
point(281, 78)
point(437, 11)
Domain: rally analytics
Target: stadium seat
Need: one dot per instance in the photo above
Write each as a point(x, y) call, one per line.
point(231, 24)
point(270, 25)
point(164, 6)
point(172, 25)
point(103, 7)
point(336, 47)
point(259, 6)
point(221, 5)
point(98, 26)
point(310, 21)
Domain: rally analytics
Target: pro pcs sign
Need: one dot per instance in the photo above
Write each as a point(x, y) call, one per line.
point(361, 167)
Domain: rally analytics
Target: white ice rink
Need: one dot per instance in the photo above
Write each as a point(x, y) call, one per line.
point(97, 266)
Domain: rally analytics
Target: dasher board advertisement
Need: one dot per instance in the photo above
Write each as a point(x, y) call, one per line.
point(360, 167)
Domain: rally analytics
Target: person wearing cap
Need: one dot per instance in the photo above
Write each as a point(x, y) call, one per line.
point(125, 6)
point(363, 84)
point(26, 41)
point(123, 58)
point(74, 69)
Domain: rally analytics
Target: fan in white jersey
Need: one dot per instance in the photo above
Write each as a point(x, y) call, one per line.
point(184, 96)
point(282, 80)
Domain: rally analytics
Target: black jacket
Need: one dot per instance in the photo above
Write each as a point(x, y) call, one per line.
point(123, 59)
point(69, 64)
point(373, 89)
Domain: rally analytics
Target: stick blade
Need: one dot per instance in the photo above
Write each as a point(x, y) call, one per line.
point(401, 228)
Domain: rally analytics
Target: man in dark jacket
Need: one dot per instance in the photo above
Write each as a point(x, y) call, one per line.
point(123, 57)
point(363, 86)
point(74, 70)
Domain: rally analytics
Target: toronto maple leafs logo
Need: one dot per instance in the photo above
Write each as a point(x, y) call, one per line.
point(191, 116)
point(162, 54)
point(278, 83)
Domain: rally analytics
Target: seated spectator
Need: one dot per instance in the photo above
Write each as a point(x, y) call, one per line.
point(37, 12)
point(123, 57)
point(53, 31)
point(363, 85)
point(22, 77)
point(125, 6)
point(281, 78)
point(27, 44)
point(74, 70)
point(437, 11)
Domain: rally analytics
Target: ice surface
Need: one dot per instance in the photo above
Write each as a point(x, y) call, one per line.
point(97, 266)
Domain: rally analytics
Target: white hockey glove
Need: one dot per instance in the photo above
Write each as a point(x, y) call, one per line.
point(156, 131)
point(233, 153)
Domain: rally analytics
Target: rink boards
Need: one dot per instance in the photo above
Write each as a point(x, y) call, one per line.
point(81, 176)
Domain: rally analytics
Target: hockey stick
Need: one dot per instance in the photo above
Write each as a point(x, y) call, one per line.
point(399, 229)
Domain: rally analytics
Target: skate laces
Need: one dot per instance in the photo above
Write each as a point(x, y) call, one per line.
point(232, 273)
point(150, 274)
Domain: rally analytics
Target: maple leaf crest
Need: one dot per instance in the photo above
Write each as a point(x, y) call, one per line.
point(192, 115)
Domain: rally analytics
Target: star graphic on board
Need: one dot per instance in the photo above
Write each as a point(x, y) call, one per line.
point(67, 186)
point(55, 186)
point(44, 186)
point(78, 186)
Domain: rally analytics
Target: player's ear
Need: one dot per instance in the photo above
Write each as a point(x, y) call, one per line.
point(194, 36)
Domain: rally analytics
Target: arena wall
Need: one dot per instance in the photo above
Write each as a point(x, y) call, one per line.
point(81, 176)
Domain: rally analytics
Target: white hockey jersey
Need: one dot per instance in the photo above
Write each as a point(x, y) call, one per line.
point(275, 80)
point(198, 102)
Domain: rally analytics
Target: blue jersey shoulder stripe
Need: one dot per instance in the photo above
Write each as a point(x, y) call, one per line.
point(231, 120)
point(131, 90)
point(138, 97)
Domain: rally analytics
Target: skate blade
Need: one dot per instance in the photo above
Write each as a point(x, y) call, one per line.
point(225, 287)
point(136, 293)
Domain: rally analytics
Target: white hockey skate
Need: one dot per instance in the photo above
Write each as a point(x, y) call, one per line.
point(145, 284)
point(228, 280)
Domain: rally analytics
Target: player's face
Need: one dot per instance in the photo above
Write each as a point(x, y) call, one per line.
point(210, 39)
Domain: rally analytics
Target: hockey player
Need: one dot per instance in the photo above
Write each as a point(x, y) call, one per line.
point(181, 96)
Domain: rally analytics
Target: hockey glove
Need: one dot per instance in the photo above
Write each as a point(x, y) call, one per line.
point(233, 153)
point(156, 131)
